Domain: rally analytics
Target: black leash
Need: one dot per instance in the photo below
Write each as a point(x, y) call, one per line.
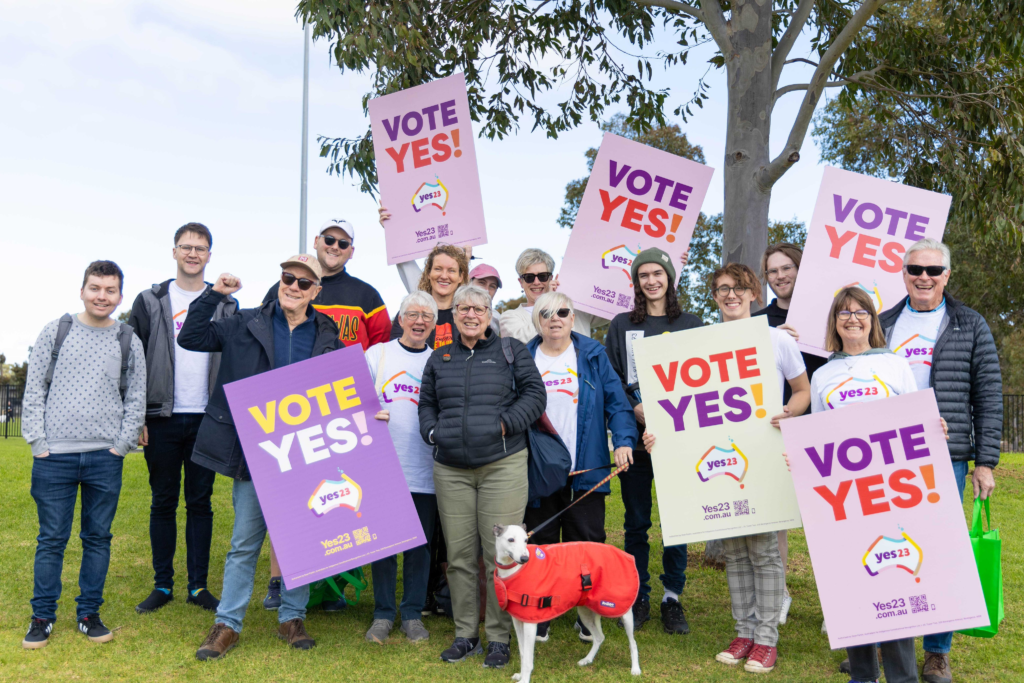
point(594, 488)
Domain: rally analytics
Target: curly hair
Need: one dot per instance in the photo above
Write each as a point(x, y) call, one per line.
point(452, 251)
point(743, 275)
point(639, 312)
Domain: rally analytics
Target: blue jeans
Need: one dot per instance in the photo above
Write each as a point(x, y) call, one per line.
point(636, 485)
point(55, 482)
point(415, 570)
point(942, 642)
point(240, 564)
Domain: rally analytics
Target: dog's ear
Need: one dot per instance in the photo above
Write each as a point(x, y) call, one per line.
point(499, 529)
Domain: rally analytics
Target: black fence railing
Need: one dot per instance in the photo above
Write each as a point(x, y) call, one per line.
point(1013, 423)
point(10, 410)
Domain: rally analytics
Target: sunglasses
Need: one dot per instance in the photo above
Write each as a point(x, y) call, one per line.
point(304, 283)
point(933, 271)
point(561, 313)
point(342, 244)
point(528, 278)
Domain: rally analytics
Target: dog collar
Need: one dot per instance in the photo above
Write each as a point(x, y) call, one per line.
point(505, 566)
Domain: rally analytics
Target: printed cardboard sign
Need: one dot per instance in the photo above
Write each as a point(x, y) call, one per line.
point(426, 168)
point(326, 473)
point(709, 395)
point(637, 197)
point(884, 523)
point(859, 232)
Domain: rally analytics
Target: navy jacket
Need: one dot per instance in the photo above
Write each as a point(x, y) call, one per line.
point(967, 381)
point(246, 344)
point(602, 401)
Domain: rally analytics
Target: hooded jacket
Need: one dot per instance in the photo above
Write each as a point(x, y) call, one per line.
point(153, 322)
point(967, 381)
point(467, 394)
point(246, 344)
point(602, 402)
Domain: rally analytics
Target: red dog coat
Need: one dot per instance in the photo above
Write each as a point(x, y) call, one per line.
point(561, 576)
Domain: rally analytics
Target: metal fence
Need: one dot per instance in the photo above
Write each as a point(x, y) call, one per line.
point(10, 410)
point(1013, 423)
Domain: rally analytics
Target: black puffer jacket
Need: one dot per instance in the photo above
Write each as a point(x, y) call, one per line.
point(967, 381)
point(467, 394)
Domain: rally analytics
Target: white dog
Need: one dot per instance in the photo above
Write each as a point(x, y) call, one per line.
point(511, 553)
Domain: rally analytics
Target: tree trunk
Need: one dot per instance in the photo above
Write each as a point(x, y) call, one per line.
point(745, 223)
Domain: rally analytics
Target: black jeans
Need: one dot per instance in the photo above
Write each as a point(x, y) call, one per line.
point(415, 570)
point(898, 659)
point(171, 440)
point(636, 485)
point(583, 522)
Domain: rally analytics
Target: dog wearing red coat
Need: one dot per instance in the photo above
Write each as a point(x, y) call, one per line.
point(538, 583)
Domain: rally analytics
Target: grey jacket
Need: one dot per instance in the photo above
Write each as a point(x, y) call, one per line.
point(153, 322)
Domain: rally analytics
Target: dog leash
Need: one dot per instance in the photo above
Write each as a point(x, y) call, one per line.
point(616, 471)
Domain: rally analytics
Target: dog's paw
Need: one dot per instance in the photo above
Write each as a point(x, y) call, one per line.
point(515, 677)
point(635, 671)
point(586, 661)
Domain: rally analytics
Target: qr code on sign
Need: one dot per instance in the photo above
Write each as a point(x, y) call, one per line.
point(918, 603)
point(361, 535)
point(740, 507)
point(442, 231)
point(623, 301)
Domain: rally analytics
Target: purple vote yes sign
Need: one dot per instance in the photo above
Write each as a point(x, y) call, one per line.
point(326, 472)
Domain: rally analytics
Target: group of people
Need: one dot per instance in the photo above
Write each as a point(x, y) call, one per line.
point(96, 388)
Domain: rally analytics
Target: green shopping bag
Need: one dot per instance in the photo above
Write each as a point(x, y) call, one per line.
point(332, 588)
point(988, 555)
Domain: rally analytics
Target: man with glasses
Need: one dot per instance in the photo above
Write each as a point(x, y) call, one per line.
point(178, 386)
point(950, 349)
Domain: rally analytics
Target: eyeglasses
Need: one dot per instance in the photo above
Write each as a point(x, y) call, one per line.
point(561, 313)
point(933, 271)
point(861, 314)
point(528, 278)
point(188, 249)
point(723, 291)
point(304, 283)
point(413, 316)
point(465, 309)
point(775, 272)
point(342, 244)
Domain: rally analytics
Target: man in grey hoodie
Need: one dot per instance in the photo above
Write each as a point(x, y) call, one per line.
point(85, 401)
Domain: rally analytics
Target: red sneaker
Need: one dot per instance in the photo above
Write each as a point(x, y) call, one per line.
point(737, 651)
point(761, 659)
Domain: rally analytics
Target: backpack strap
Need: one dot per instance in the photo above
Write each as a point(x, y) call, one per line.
point(124, 337)
point(510, 358)
point(63, 327)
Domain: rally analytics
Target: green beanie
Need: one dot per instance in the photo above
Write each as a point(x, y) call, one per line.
point(654, 255)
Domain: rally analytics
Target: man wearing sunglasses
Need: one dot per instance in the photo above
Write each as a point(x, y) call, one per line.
point(355, 305)
point(950, 349)
point(178, 386)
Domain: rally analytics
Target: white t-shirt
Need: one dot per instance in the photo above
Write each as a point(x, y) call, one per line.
point(562, 382)
point(398, 387)
point(913, 339)
point(789, 364)
point(191, 368)
point(858, 379)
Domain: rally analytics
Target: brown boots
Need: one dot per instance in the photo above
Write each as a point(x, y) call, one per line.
point(294, 632)
point(222, 638)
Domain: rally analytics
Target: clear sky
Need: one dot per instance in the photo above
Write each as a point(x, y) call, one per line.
point(123, 120)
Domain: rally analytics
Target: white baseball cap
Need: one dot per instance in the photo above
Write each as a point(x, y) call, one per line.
point(341, 224)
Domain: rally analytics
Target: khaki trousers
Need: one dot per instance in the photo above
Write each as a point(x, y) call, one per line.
point(471, 502)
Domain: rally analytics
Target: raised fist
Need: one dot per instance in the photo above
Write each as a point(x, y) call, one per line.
point(227, 284)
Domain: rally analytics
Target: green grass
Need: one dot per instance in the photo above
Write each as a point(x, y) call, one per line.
point(161, 646)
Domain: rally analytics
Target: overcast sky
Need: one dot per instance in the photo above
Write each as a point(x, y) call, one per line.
point(123, 120)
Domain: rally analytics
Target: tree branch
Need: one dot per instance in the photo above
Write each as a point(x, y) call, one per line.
point(855, 78)
point(800, 59)
point(673, 5)
point(796, 25)
point(714, 19)
point(769, 175)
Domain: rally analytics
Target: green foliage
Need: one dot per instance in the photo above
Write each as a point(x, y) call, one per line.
point(124, 315)
point(510, 304)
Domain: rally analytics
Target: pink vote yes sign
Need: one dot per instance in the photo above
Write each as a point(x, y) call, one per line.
point(637, 197)
point(426, 166)
point(859, 232)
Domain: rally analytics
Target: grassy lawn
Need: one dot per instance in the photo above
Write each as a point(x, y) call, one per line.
point(161, 646)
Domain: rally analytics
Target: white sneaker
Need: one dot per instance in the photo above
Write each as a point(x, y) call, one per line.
point(787, 602)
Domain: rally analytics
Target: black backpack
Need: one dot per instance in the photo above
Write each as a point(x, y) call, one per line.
point(124, 338)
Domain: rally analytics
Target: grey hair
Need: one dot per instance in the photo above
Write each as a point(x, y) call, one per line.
point(929, 243)
point(472, 295)
point(418, 298)
point(532, 256)
point(551, 301)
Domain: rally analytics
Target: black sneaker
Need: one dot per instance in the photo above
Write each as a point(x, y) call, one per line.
point(273, 599)
point(542, 631)
point(203, 598)
point(94, 629)
point(497, 656)
point(672, 617)
point(460, 649)
point(155, 601)
point(585, 635)
point(641, 612)
point(38, 634)
point(430, 607)
point(339, 605)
